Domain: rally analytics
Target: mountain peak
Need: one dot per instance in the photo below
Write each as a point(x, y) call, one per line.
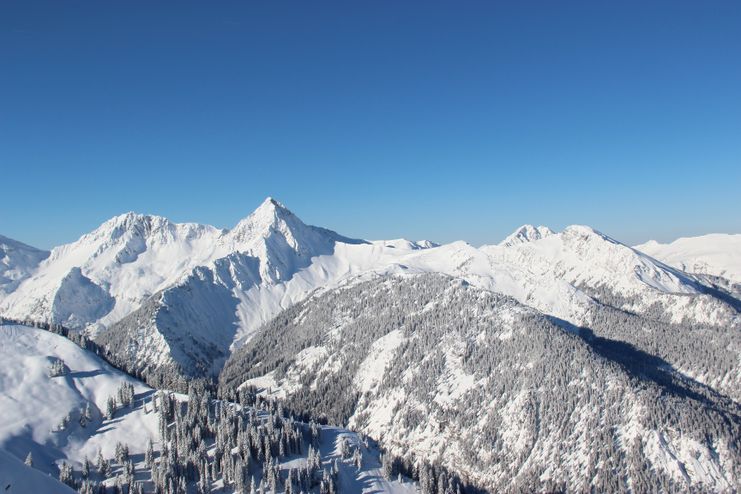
point(268, 216)
point(270, 210)
point(271, 204)
point(128, 219)
point(526, 233)
point(137, 223)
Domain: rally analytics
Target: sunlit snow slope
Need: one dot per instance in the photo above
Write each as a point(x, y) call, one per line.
point(33, 404)
point(716, 254)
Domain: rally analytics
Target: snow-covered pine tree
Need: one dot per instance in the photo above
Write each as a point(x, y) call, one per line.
point(110, 408)
point(387, 466)
point(86, 468)
point(65, 475)
point(344, 448)
point(57, 368)
point(149, 454)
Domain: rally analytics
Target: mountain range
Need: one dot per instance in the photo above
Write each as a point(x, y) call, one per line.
point(397, 338)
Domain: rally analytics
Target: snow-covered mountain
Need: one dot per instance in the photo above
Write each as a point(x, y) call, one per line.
point(117, 267)
point(347, 328)
point(178, 298)
point(196, 279)
point(715, 254)
point(436, 368)
point(17, 262)
point(59, 415)
point(601, 267)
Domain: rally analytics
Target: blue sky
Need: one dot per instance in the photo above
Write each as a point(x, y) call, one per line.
point(439, 120)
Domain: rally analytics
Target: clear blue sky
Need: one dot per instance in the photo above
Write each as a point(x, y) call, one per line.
point(440, 120)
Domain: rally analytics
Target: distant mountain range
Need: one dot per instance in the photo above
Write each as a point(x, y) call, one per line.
point(716, 254)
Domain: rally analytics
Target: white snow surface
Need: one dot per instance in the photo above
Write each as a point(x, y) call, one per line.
point(717, 254)
point(33, 403)
point(17, 478)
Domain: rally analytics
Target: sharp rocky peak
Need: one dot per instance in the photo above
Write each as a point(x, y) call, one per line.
point(270, 217)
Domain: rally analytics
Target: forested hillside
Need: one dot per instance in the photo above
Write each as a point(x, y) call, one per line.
point(435, 368)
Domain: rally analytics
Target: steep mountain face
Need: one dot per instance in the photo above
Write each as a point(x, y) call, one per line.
point(120, 264)
point(172, 294)
point(17, 262)
point(715, 254)
point(190, 326)
point(280, 240)
point(436, 368)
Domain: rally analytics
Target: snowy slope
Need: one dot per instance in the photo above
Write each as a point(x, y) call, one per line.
point(17, 262)
point(716, 254)
point(17, 478)
point(33, 403)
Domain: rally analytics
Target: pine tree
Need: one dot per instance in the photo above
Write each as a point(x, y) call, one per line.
point(289, 487)
point(149, 454)
point(86, 468)
point(122, 453)
point(88, 487)
point(344, 448)
point(57, 368)
point(387, 466)
point(29, 459)
point(103, 466)
point(239, 481)
point(110, 408)
point(87, 414)
point(65, 475)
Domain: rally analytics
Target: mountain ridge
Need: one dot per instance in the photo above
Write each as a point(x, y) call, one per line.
point(716, 254)
point(197, 292)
